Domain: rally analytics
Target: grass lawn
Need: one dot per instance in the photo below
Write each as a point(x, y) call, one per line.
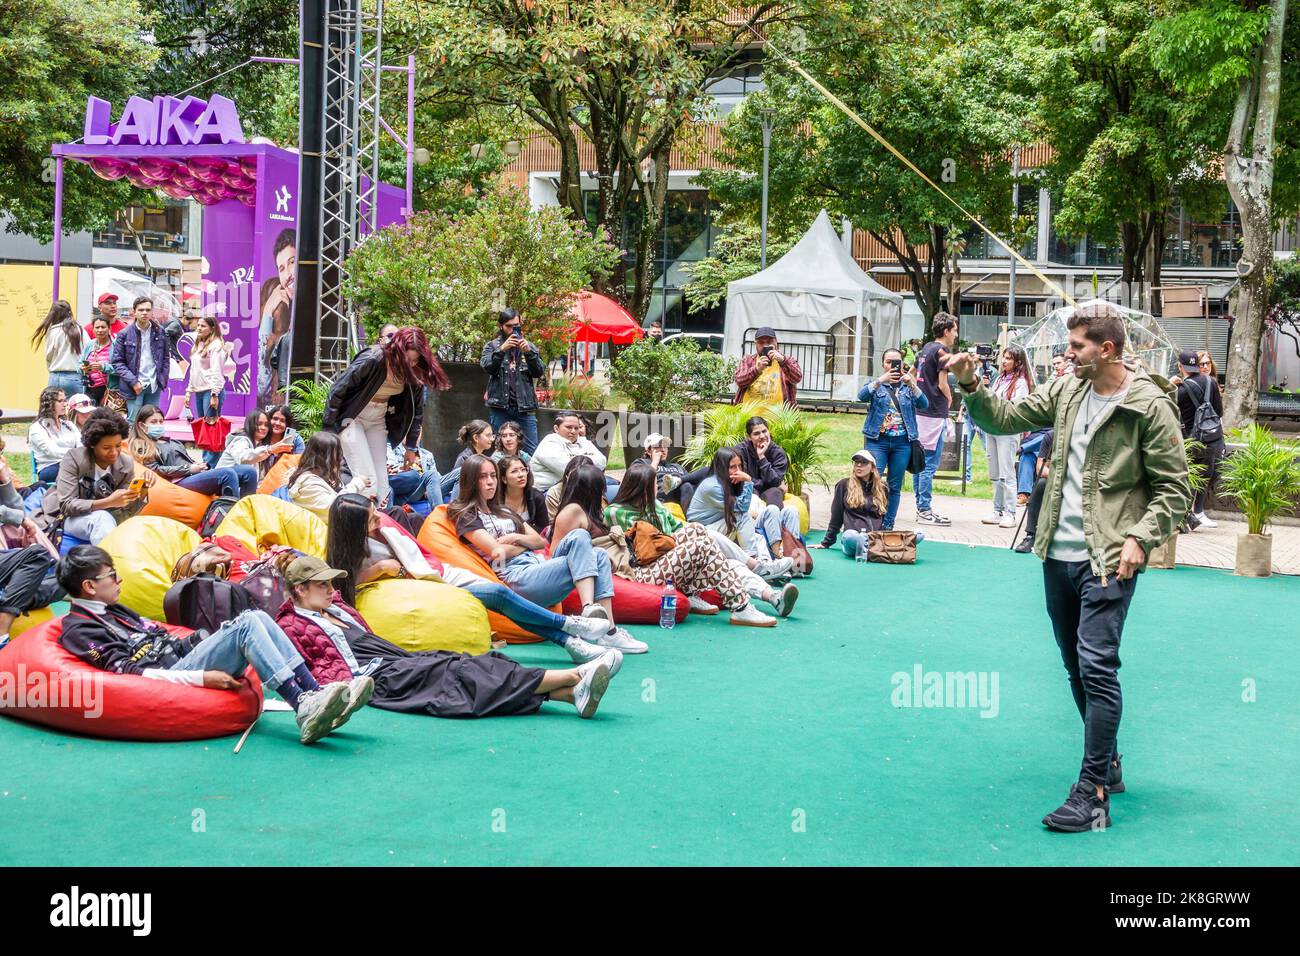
point(19, 461)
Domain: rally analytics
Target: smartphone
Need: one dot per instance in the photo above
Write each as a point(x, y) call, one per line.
point(137, 486)
point(895, 365)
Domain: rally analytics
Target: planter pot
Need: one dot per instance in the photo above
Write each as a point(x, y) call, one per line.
point(1165, 556)
point(1254, 555)
point(445, 412)
point(633, 428)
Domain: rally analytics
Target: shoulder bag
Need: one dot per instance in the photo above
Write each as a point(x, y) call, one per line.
point(891, 547)
point(915, 463)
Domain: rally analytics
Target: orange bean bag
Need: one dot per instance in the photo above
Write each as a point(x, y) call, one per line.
point(42, 682)
point(439, 537)
point(278, 475)
point(167, 500)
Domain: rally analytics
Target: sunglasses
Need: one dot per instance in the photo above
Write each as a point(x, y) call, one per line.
point(108, 574)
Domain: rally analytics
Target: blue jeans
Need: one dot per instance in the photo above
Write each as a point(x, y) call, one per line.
point(924, 482)
point(549, 581)
point(236, 482)
point(525, 420)
point(531, 617)
point(769, 524)
point(134, 402)
point(412, 486)
point(199, 403)
point(892, 453)
point(70, 382)
point(251, 638)
point(849, 541)
point(49, 473)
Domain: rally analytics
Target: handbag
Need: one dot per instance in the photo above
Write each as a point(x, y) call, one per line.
point(891, 547)
point(115, 401)
point(796, 551)
point(916, 461)
point(649, 544)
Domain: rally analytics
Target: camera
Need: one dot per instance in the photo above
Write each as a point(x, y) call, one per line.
point(984, 351)
point(765, 350)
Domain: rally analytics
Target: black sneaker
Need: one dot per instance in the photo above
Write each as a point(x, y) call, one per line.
point(929, 517)
point(1026, 545)
point(1081, 811)
point(1115, 776)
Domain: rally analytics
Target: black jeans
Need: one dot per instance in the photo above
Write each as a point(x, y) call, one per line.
point(1209, 456)
point(23, 585)
point(1088, 621)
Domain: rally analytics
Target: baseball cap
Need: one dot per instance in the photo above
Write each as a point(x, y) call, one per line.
point(654, 439)
point(106, 297)
point(765, 332)
point(1188, 358)
point(80, 403)
point(304, 569)
point(863, 455)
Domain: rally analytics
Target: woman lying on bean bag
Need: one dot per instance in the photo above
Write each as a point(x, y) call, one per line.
point(337, 644)
point(363, 549)
point(115, 638)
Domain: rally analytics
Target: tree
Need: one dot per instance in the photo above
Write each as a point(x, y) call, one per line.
point(736, 253)
point(53, 54)
point(450, 273)
point(626, 76)
point(932, 81)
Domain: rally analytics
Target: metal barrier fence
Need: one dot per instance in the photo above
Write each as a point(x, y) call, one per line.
point(816, 359)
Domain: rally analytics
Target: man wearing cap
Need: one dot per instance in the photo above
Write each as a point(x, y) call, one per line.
point(768, 377)
point(1195, 388)
point(106, 307)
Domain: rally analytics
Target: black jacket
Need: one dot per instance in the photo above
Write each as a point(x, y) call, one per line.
point(353, 389)
point(122, 641)
point(768, 470)
point(866, 518)
point(1189, 399)
point(173, 461)
point(506, 372)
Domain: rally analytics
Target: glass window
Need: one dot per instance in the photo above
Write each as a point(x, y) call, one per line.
point(980, 246)
point(163, 228)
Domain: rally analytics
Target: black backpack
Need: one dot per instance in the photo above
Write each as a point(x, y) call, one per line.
point(216, 513)
point(205, 602)
point(1207, 428)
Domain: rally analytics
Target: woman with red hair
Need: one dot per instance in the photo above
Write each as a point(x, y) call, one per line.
point(379, 399)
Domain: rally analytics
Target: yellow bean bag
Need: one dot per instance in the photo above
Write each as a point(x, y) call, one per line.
point(278, 475)
point(261, 522)
point(674, 509)
point(795, 502)
point(168, 500)
point(425, 616)
point(25, 622)
point(144, 549)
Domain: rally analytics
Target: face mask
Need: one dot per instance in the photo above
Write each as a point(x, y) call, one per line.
point(157, 431)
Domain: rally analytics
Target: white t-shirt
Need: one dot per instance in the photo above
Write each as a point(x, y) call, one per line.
point(147, 367)
point(1069, 543)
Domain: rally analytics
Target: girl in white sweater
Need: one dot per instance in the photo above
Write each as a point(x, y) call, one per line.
point(317, 482)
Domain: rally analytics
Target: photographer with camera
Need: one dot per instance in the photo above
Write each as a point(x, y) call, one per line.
point(769, 377)
point(513, 363)
point(890, 426)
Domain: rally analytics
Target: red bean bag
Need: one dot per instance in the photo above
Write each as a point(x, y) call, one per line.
point(634, 602)
point(83, 699)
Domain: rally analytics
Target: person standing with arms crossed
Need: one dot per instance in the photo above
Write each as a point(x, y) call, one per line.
point(1117, 488)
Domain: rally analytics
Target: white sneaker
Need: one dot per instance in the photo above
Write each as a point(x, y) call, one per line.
point(1206, 520)
point(1008, 520)
point(596, 611)
point(587, 628)
point(623, 641)
point(591, 687)
point(700, 606)
point(994, 517)
point(929, 517)
point(318, 709)
point(750, 616)
point(360, 690)
point(581, 651)
point(770, 569)
point(783, 600)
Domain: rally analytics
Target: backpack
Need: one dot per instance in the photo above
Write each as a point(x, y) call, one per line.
point(205, 602)
point(1207, 428)
point(216, 513)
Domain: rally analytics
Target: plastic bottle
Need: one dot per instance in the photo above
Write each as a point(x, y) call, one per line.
point(668, 606)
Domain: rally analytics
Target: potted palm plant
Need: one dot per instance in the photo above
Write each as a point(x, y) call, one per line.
point(1166, 555)
point(1263, 477)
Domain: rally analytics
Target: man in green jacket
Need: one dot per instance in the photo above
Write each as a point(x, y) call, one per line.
point(1117, 488)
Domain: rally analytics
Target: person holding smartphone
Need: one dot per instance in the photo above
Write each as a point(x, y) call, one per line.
point(513, 364)
point(767, 378)
point(890, 426)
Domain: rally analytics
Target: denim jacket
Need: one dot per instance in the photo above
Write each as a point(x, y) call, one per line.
point(878, 397)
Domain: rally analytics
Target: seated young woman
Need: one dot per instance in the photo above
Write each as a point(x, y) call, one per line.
point(514, 549)
point(510, 441)
point(438, 683)
point(696, 563)
point(476, 438)
point(858, 506)
point(361, 546)
point(556, 492)
point(53, 434)
point(317, 480)
point(96, 487)
point(721, 502)
point(515, 480)
point(253, 445)
point(282, 430)
point(113, 637)
point(413, 476)
point(150, 446)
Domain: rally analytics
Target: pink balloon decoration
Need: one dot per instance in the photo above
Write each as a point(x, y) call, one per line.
point(200, 170)
point(248, 199)
point(248, 166)
point(108, 168)
point(140, 179)
point(176, 192)
point(189, 182)
point(156, 167)
point(206, 200)
point(237, 182)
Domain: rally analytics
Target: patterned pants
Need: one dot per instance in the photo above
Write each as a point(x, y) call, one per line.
point(696, 565)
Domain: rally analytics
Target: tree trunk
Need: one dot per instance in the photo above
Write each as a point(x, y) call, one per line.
point(1248, 171)
point(653, 196)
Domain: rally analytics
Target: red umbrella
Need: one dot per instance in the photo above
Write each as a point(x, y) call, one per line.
point(598, 318)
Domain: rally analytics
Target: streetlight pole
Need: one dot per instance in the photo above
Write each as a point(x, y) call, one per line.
point(766, 114)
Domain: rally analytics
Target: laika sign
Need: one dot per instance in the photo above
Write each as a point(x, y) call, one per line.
point(163, 121)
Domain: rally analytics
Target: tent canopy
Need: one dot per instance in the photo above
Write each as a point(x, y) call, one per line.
point(598, 318)
point(1144, 338)
point(816, 295)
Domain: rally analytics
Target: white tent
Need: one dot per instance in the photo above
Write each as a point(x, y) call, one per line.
point(817, 295)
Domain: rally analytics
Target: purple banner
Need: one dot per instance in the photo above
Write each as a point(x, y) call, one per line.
point(277, 259)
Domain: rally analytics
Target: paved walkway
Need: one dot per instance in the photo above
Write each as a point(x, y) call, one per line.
point(1207, 548)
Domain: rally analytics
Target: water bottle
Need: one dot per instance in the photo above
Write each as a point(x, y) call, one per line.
point(668, 606)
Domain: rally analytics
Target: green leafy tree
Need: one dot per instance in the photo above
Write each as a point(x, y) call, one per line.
point(667, 378)
point(450, 273)
point(53, 54)
point(736, 253)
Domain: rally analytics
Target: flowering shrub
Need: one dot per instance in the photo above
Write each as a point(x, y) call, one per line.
point(449, 274)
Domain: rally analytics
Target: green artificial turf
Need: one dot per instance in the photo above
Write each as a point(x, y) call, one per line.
point(729, 745)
